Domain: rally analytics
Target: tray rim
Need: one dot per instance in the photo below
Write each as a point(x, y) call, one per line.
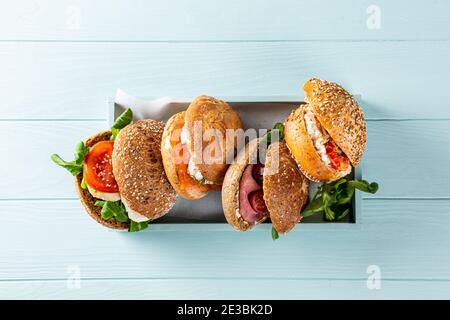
point(221, 226)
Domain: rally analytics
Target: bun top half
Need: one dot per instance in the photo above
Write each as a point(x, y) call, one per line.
point(286, 189)
point(211, 115)
point(340, 115)
point(139, 171)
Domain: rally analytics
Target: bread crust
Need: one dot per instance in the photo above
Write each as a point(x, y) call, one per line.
point(230, 187)
point(87, 200)
point(302, 149)
point(340, 115)
point(139, 171)
point(176, 122)
point(286, 190)
point(217, 115)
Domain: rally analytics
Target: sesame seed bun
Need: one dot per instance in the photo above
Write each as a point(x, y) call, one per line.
point(87, 199)
point(303, 150)
point(185, 190)
point(286, 191)
point(340, 115)
point(230, 187)
point(139, 171)
point(217, 115)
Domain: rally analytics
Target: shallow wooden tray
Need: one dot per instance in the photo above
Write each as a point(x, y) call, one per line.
point(255, 112)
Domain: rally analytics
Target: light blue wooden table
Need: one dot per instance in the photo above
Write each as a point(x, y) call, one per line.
point(60, 61)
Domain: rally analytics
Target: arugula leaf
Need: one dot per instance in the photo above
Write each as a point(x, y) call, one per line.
point(364, 186)
point(100, 203)
point(117, 211)
point(334, 199)
point(277, 127)
point(137, 226)
point(275, 235)
point(83, 184)
point(75, 167)
point(280, 128)
point(121, 122)
point(112, 209)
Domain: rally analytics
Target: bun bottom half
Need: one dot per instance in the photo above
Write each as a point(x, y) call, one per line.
point(186, 188)
point(87, 200)
point(302, 149)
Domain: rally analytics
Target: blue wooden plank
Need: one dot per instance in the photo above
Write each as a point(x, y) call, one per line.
point(223, 289)
point(74, 80)
point(193, 20)
point(406, 239)
point(401, 156)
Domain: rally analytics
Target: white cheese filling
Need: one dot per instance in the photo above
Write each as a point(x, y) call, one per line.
point(193, 170)
point(317, 137)
point(134, 215)
point(106, 196)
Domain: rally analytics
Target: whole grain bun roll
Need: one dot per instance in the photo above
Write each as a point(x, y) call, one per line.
point(286, 190)
point(87, 200)
point(172, 154)
point(139, 171)
point(340, 115)
point(214, 116)
point(230, 187)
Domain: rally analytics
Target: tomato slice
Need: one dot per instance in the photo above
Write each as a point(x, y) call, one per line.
point(257, 173)
point(97, 171)
point(338, 159)
point(256, 199)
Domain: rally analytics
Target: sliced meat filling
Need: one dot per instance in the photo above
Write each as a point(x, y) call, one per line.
point(252, 207)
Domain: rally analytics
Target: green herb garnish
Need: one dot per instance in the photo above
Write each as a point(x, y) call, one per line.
point(75, 167)
point(117, 211)
point(137, 226)
point(83, 183)
point(267, 138)
point(275, 235)
point(121, 122)
point(334, 199)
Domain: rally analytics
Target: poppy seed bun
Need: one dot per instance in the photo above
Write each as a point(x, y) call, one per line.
point(340, 115)
point(286, 191)
point(230, 187)
point(176, 122)
point(303, 150)
point(139, 171)
point(87, 199)
point(217, 115)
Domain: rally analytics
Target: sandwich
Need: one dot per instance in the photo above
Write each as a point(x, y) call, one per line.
point(255, 189)
point(195, 149)
point(119, 174)
point(326, 136)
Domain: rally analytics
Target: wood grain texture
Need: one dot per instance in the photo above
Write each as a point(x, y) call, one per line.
point(402, 156)
point(193, 20)
point(407, 239)
point(223, 289)
point(62, 59)
point(397, 80)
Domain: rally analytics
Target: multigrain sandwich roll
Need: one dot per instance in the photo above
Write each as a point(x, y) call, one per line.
point(327, 136)
point(194, 146)
point(119, 174)
point(253, 192)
